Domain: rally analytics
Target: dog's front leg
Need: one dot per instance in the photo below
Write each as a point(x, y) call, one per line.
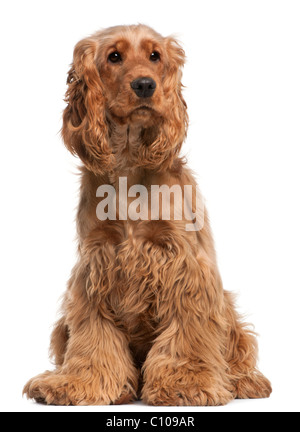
point(186, 364)
point(97, 367)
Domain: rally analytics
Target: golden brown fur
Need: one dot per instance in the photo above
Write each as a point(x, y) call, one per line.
point(145, 314)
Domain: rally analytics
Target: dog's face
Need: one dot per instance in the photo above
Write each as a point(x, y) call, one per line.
point(125, 75)
point(133, 66)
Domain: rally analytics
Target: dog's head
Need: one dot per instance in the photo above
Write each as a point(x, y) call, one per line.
point(125, 75)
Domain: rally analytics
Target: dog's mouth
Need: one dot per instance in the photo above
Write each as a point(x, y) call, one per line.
point(144, 113)
point(144, 109)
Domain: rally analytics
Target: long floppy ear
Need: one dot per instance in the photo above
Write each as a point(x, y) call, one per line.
point(85, 131)
point(177, 123)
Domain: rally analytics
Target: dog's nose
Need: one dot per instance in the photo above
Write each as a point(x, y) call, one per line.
point(144, 87)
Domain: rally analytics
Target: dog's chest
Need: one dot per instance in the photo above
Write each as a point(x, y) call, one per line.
point(135, 297)
point(135, 305)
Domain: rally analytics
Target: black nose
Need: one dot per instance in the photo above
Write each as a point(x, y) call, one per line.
point(144, 87)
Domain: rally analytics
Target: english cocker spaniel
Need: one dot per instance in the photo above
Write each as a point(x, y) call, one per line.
point(145, 314)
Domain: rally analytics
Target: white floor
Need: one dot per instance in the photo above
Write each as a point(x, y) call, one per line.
point(279, 402)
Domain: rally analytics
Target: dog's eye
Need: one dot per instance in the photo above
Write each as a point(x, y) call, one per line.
point(155, 56)
point(115, 57)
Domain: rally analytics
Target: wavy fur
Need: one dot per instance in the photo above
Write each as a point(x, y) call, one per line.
point(145, 314)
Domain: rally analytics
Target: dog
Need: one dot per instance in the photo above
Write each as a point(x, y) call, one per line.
point(145, 314)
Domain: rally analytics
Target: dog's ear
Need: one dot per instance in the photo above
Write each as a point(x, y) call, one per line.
point(175, 52)
point(85, 131)
point(177, 124)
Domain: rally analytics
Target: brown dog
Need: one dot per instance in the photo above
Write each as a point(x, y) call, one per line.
point(145, 313)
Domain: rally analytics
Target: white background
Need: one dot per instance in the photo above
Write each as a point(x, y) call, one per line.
point(243, 92)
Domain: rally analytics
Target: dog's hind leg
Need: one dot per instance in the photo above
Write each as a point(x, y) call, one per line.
point(241, 355)
point(59, 340)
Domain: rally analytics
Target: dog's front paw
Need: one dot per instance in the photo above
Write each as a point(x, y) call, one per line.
point(194, 396)
point(53, 388)
point(189, 389)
